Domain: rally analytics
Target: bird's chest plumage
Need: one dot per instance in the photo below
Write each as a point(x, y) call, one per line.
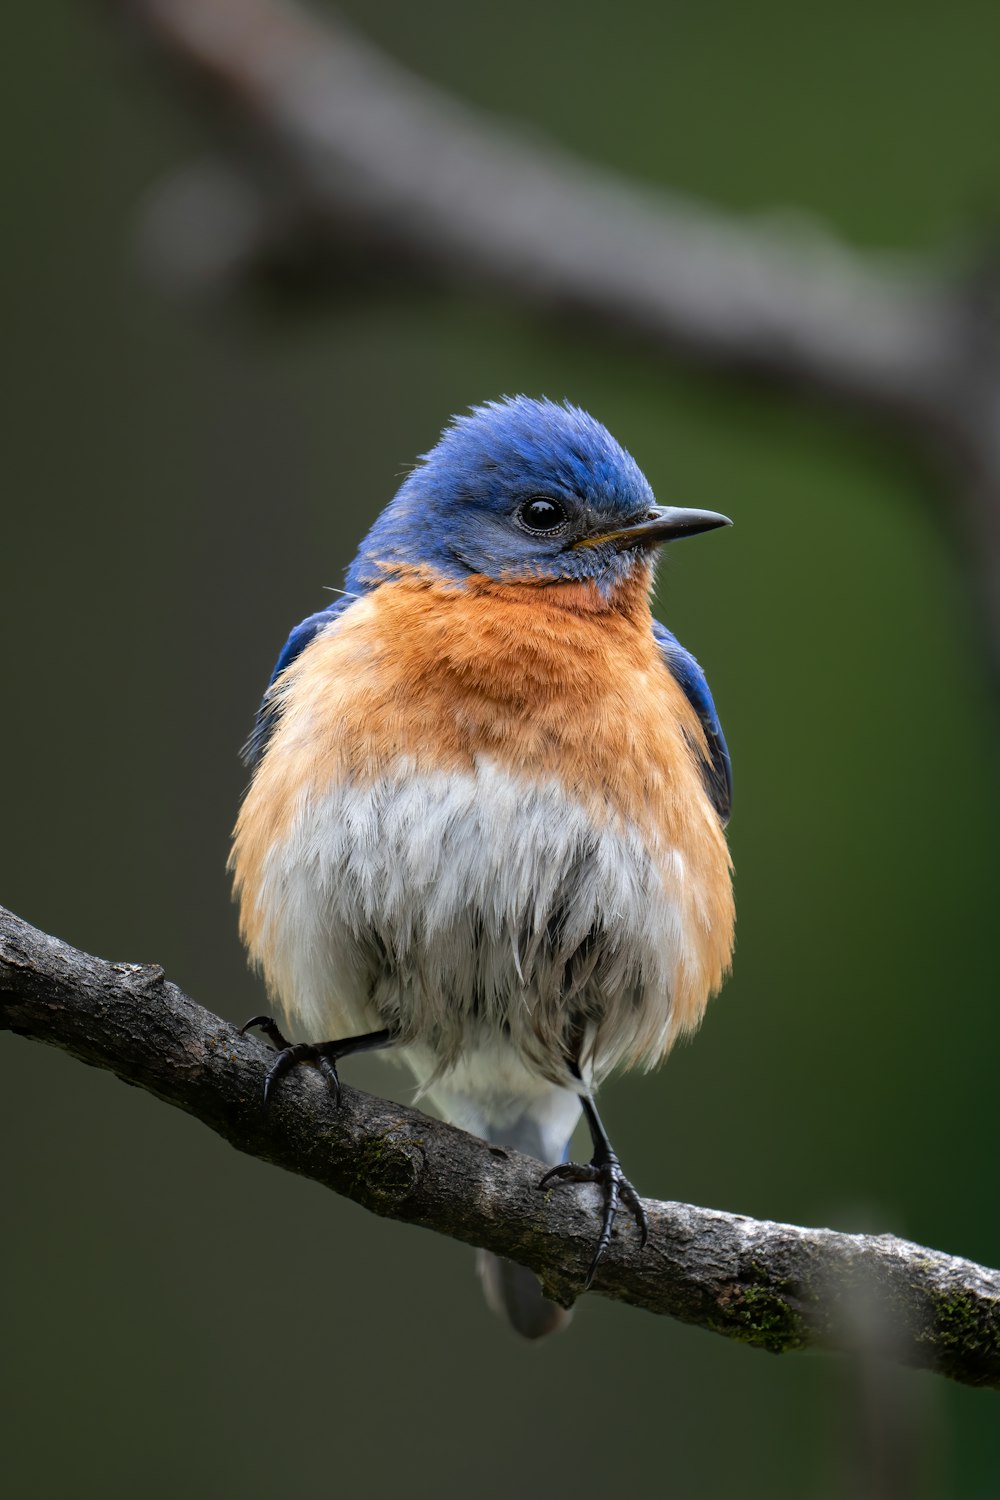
point(482, 809)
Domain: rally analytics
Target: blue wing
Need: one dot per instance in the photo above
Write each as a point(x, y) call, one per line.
point(270, 708)
point(717, 771)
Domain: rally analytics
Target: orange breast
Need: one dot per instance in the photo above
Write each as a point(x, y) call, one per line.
point(545, 680)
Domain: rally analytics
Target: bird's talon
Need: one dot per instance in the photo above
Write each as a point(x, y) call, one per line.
point(270, 1029)
point(567, 1171)
point(294, 1053)
point(618, 1191)
point(321, 1055)
point(328, 1068)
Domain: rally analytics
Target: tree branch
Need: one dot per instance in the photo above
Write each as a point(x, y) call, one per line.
point(361, 155)
point(775, 1286)
point(350, 164)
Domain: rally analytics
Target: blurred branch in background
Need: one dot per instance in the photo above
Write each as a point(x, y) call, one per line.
point(344, 165)
point(774, 1286)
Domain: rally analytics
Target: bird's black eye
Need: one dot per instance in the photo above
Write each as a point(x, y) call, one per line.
point(542, 516)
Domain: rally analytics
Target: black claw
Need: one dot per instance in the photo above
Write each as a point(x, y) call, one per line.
point(270, 1029)
point(328, 1068)
point(302, 1052)
point(632, 1201)
point(322, 1055)
point(607, 1173)
point(290, 1053)
point(565, 1173)
point(285, 1059)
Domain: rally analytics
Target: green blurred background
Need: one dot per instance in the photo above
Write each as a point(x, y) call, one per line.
point(178, 490)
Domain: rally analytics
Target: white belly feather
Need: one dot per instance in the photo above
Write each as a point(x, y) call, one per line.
point(478, 913)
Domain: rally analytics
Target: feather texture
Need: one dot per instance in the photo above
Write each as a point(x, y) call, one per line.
point(489, 796)
point(475, 818)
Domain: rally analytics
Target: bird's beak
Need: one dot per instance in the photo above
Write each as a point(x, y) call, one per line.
point(663, 523)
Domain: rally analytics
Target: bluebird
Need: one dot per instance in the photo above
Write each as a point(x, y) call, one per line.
point(485, 826)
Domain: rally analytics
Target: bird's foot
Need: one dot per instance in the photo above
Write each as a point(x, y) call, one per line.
point(605, 1170)
point(322, 1055)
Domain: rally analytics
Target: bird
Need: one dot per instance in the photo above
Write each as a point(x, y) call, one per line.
point(485, 826)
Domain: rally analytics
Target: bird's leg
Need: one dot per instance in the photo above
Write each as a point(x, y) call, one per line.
point(323, 1055)
point(604, 1169)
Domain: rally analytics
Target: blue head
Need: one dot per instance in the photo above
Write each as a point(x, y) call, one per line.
point(523, 490)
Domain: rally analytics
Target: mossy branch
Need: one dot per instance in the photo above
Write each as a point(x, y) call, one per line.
point(774, 1286)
